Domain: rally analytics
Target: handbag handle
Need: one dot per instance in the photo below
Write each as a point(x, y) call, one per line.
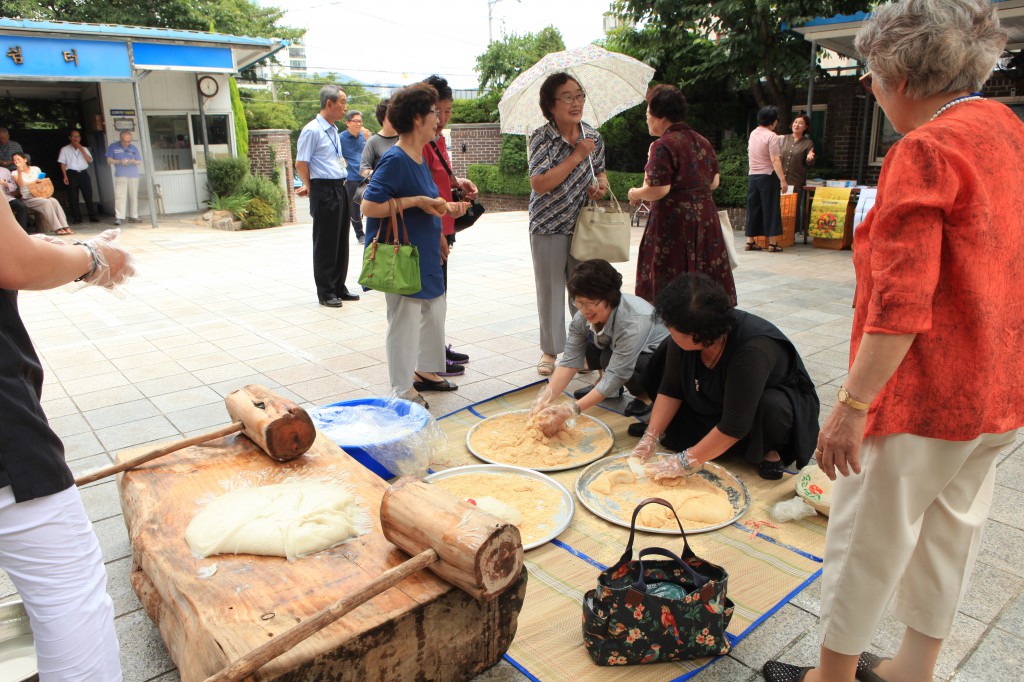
point(628, 554)
point(395, 233)
point(641, 586)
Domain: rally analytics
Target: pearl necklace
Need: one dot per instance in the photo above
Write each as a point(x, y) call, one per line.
point(952, 103)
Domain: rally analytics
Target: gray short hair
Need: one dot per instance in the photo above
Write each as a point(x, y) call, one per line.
point(939, 46)
point(352, 114)
point(329, 93)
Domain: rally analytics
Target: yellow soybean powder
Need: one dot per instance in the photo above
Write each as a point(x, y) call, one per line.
point(539, 504)
point(513, 439)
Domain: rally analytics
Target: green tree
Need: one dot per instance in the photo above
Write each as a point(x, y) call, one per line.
point(739, 39)
point(241, 128)
point(506, 58)
point(235, 17)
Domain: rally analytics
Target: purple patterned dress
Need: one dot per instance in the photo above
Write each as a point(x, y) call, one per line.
point(683, 233)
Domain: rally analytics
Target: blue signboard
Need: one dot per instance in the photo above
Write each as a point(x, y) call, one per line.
point(182, 57)
point(63, 58)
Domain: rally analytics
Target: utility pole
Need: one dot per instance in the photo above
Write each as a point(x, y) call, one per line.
point(490, 11)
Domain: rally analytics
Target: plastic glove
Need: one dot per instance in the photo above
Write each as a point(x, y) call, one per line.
point(552, 418)
point(544, 398)
point(49, 238)
point(672, 466)
point(114, 264)
point(644, 450)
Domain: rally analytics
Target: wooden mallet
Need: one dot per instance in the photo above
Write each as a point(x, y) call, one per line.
point(278, 426)
point(461, 543)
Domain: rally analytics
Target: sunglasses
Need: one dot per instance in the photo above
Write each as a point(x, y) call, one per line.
point(866, 81)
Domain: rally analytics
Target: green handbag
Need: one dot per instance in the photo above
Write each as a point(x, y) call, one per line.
point(393, 265)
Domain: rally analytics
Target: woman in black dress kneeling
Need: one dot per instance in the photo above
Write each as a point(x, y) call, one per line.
point(731, 383)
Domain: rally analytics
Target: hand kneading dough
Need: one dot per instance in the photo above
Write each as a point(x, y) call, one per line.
point(289, 520)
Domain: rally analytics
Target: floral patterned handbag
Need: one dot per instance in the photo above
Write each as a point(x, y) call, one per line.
point(646, 611)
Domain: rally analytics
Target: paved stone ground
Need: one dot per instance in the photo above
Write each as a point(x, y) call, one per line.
point(211, 311)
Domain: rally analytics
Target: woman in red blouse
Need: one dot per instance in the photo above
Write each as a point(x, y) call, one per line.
point(934, 389)
point(683, 233)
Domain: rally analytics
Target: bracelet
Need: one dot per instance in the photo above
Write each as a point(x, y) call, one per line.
point(95, 260)
point(576, 411)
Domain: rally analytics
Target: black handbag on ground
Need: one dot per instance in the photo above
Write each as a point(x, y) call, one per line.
point(648, 611)
point(475, 210)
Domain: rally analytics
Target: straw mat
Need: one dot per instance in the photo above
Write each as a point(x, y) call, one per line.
point(767, 565)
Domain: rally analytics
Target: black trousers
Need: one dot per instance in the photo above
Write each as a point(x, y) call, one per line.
point(764, 215)
point(328, 204)
point(20, 212)
point(355, 215)
point(79, 181)
point(598, 358)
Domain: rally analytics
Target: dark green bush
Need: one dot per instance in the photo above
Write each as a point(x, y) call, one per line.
point(235, 203)
point(225, 176)
point(259, 215)
point(732, 159)
point(731, 192)
point(513, 155)
point(621, 182)
point(266, 191)
point(490, 180)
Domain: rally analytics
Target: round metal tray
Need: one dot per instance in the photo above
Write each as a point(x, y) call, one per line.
point(610, 509)
point(588, 451)
point(566, 510)
point(17, 648)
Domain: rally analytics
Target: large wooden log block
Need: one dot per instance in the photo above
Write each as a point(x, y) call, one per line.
point(424, 628)
point(283, 429)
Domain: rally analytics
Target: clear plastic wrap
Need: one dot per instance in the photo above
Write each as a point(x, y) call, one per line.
point(399, 435)
point(792, 509)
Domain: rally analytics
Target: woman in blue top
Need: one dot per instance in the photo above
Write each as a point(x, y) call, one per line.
point(415, 338)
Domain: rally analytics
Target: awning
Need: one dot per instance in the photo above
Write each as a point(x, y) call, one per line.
point(837, 33)
point(66, 51)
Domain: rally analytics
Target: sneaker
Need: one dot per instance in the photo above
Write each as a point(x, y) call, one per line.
point(118, 221)
point(452, 369)
point(454, 356)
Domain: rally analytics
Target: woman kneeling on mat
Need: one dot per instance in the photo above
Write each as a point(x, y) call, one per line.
point(613, 331)
point(732, 383)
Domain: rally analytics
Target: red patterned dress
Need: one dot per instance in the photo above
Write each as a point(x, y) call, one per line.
point(683, 233)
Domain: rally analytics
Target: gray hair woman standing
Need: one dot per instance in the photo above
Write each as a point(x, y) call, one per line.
point(933, 393)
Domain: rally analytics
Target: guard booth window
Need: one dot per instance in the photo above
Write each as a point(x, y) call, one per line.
point(217, 126)
point(171, 142)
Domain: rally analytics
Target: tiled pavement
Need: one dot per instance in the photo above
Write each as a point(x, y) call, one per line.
point(211, 311)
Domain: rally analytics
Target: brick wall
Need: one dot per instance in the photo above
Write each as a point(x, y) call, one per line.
point(262, 161)
point(474, 143)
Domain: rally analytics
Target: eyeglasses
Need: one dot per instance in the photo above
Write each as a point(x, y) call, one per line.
point(866, 81)
point(569, 99)
point(586, 305)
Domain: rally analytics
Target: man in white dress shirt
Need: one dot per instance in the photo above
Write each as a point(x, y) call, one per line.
point(74, 163)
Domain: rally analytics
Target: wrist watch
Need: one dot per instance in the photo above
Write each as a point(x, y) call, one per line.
point(844, 397)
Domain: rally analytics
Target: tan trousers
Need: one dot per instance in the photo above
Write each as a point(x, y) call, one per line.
point(126, 191)
point(49, 210)
point(908, 526)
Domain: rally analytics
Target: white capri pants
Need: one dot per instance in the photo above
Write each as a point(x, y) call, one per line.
point(51, 554)
point(49, 210)
point(415, 337)
point(126, 191)
point(552, 266)
point(908, 526)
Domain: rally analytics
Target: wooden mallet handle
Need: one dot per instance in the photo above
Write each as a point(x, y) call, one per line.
point(260, 656)
point(159, 452)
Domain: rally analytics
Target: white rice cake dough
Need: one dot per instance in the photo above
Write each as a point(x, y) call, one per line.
point(289, 520)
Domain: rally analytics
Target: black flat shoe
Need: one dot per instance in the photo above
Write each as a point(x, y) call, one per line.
point(636, 429)
point(637, 408)
point(774, 671)
point(580, 392)
point(333, 302)
point(348, 297)
point(866, 664)
point(771, 471)
point(428, 385)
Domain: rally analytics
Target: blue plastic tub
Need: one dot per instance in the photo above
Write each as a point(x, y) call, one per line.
point(361, 451)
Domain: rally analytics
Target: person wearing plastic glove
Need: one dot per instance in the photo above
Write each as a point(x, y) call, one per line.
point(614, 332)
point(730, 383)
point(47, 545)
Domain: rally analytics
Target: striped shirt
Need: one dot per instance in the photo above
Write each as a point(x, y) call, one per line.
point(555, 211)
